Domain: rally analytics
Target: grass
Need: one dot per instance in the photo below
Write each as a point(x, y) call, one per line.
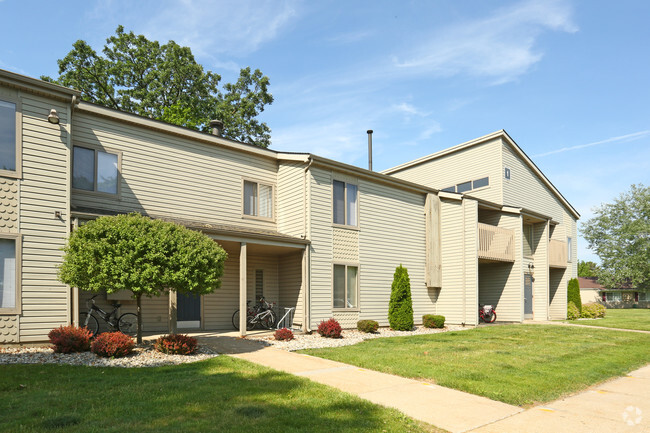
point(622, 319)
point(221, 394)
point(516, 364)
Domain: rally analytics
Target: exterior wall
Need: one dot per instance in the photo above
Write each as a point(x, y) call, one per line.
point(42, 191)
point(391, 232)
point(291, 199)
point(457, 300)
point(541, 298)
point(291, 287)
point(558, 294)
point(472, 163)
point(165, 175)
point(590, 295)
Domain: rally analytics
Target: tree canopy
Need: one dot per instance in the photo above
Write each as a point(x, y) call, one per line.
point(587, 268)
point(165, 82)
point(146, 256)
point(619, 233)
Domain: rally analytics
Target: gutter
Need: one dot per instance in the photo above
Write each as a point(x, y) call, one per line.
point(307, 261)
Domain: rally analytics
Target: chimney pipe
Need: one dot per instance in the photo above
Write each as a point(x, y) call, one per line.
point(217, 127)
point(369, 149)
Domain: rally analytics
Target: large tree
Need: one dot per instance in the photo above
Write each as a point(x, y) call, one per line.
point(166, 83)
point(146, 256)
point(587, 268)
point(619, 233)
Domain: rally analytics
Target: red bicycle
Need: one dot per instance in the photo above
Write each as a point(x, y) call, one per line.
point(487, 313)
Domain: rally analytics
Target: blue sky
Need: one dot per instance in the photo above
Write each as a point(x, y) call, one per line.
point(567, 79)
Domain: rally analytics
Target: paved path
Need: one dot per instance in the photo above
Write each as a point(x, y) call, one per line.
point(599, 409)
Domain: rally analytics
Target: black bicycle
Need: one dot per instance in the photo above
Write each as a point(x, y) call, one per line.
point(126, 323)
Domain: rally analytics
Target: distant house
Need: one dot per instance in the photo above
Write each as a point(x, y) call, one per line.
point(625, 296)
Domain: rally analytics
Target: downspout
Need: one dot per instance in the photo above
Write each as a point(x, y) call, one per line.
point(73, 291)
point(307, 270)
point(462, 209)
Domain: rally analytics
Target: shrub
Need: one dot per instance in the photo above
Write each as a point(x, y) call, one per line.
point(283, 334)
point(367, 326)
point(400, 308)
point(572, 312)
point(68, 339)
point(176, 344)
point(433, 321)
point(573, 293)
point(593, 311)
point(112, 345)
point(329, 329)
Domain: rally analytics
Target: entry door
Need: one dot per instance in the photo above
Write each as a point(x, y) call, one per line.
point(528, 296)
point(188, 311)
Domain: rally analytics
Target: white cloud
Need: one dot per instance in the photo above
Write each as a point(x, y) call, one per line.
point(621, 138)
point(501, 46)
point(350, 37)
point(406, 108)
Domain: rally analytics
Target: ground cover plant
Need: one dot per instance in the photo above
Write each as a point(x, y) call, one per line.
point(176, 344)
point(112, 345)
point(516, 364)
point(621, 318)
point(221, 394)
point(68, 339)
point(330, 329)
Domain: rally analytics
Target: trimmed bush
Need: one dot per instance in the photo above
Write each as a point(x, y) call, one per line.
point(176, 344)
point(330, 329)
point(433, 321)
point(572, 312)
point(112, 345)
point(283, 334)
point(367, 326)
point(573, 293)
point(593, 311)
point(400, 308)
point(68, 339)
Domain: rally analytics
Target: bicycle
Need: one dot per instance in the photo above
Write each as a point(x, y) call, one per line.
point(126, 323)
point(261, 314)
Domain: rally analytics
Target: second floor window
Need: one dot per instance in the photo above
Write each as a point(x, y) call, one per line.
point(7, 136)
point(258, 199)
point(94, 170)
point(345, 203)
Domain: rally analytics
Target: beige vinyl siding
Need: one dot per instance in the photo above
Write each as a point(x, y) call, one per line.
point(291, 203)
point(45, 301)
point(392, 231)
point(458, 298)
point(345, 245)
point(155, 310)
point(558, 294)
point(320, 198)
point(492, 280)
point(171, 176)
point(476, 162)
point(292, 289)
point(541, 272)
point(511, 302)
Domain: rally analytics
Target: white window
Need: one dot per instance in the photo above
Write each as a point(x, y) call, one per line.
point(345, 203)
point(569, 256)
point(94, 170)
point(8, 275)
point(258, 199)
point(464, 187)
point(643, 296)
point(345, 286)
point(480, 183)
point(613, 296)
point(10, 139)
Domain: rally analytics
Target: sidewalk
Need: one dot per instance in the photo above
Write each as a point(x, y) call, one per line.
point(601, 408)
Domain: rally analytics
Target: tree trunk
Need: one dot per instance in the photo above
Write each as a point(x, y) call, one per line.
point(139, 304)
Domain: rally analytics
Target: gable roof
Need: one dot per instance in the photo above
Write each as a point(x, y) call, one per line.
point(502, 134)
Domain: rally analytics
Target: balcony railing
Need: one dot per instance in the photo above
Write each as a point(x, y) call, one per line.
point(496, 243)
point(557, 254)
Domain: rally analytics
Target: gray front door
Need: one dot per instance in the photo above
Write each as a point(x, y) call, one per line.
point(528, 296)
point(188, 311)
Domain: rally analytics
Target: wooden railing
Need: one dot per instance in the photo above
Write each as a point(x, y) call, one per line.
point(557, 254)
point(496, 243)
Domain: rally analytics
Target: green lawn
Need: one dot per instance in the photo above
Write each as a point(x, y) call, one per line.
point(619, 318)
point(221, 395)
point(516, 364)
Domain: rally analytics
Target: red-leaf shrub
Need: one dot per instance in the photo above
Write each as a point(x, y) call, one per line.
point(283, 334)
point(176, 344)
point(330, 329)
point(112, 345)
point(67, 339)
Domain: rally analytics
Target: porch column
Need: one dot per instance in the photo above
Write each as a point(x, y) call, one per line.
point(173, 311)
point(242, 290)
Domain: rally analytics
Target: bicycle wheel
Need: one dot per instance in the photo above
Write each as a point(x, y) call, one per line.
point(128, 324)
point(268, 320)
point(494, 317)
point(89, 322)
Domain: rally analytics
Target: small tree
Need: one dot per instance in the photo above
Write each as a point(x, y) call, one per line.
point(400, 309)
point(573, 293)
point(146, 256)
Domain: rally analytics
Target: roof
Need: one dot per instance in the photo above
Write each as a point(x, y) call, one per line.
point(35, 85)
point(502, 134)
point(592, 283)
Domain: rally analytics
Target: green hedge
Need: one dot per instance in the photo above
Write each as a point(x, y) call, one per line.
point(572, 312)
point(400, 308)
point(433, 321)
point(573, 293)
point(367, 326)
point(593, 311)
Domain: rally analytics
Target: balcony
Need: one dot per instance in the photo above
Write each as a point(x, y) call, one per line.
point(557, 254)
point(495, 244)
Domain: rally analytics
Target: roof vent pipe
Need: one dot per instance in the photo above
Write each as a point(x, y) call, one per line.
point(369, 149)
point(217, 127)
